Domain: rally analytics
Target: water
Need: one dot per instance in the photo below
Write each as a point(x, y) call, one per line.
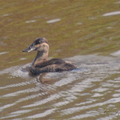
point(83, 32)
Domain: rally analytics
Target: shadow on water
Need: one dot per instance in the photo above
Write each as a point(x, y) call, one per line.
point(84, 32)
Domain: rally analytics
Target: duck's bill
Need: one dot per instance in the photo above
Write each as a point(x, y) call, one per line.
point(29, 49)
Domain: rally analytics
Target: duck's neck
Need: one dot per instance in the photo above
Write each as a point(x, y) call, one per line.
point(40, 57)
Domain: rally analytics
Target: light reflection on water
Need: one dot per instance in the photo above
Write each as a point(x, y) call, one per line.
point(1, 53)
point(54, 20)
point(83, 89)
point(89, 92)
point(112, 13)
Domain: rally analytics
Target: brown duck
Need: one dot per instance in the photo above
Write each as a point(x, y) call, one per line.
point(41, 63)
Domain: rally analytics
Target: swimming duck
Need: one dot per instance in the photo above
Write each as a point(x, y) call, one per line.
point(41, 63)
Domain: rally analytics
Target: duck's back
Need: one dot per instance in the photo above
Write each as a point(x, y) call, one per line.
point(53, 65)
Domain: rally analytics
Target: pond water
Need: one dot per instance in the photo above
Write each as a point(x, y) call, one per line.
point(84, 32)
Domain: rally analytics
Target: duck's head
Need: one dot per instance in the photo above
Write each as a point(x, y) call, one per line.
point(39, 44)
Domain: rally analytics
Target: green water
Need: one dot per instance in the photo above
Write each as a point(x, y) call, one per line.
point(82, 28)
point(73, 28)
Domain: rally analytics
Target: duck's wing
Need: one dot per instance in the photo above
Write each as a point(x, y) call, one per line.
point(50, 62)
point(54, 66)
point(37, 70)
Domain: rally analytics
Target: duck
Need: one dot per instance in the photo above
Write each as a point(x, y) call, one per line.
point(41, 63)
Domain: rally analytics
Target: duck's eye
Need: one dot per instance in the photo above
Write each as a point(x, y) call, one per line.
point(37, 42)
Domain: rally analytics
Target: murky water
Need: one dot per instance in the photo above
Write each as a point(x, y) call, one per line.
point(84, 32)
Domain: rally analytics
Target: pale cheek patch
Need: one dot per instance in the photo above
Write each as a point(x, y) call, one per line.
point(37, 46)
point(42, 47)
point(45, 46)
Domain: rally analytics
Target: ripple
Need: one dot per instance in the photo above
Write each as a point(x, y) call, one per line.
point(44, 114)
point(6, 106)
point(21, 92)
point(23, 58)
point(22, 100)
point(53, 20)
point(5, 15)
point(117, 53)
point(87, 115)
point(61, 103)
point(20, 112)
point(100, 89)
point(110, 117)
point(64, 81)
point(31, 21)
point(17, 71)
point(112, 13)
point(44, 101)
point(17, 85)
point(86, 88)
point(97, 95)
point(16, 113)
point(2, 53)
point(77, 109)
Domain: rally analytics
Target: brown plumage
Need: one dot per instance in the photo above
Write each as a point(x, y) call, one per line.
point(41, 63)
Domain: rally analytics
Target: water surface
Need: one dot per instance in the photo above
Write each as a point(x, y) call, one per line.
point(84, 32)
